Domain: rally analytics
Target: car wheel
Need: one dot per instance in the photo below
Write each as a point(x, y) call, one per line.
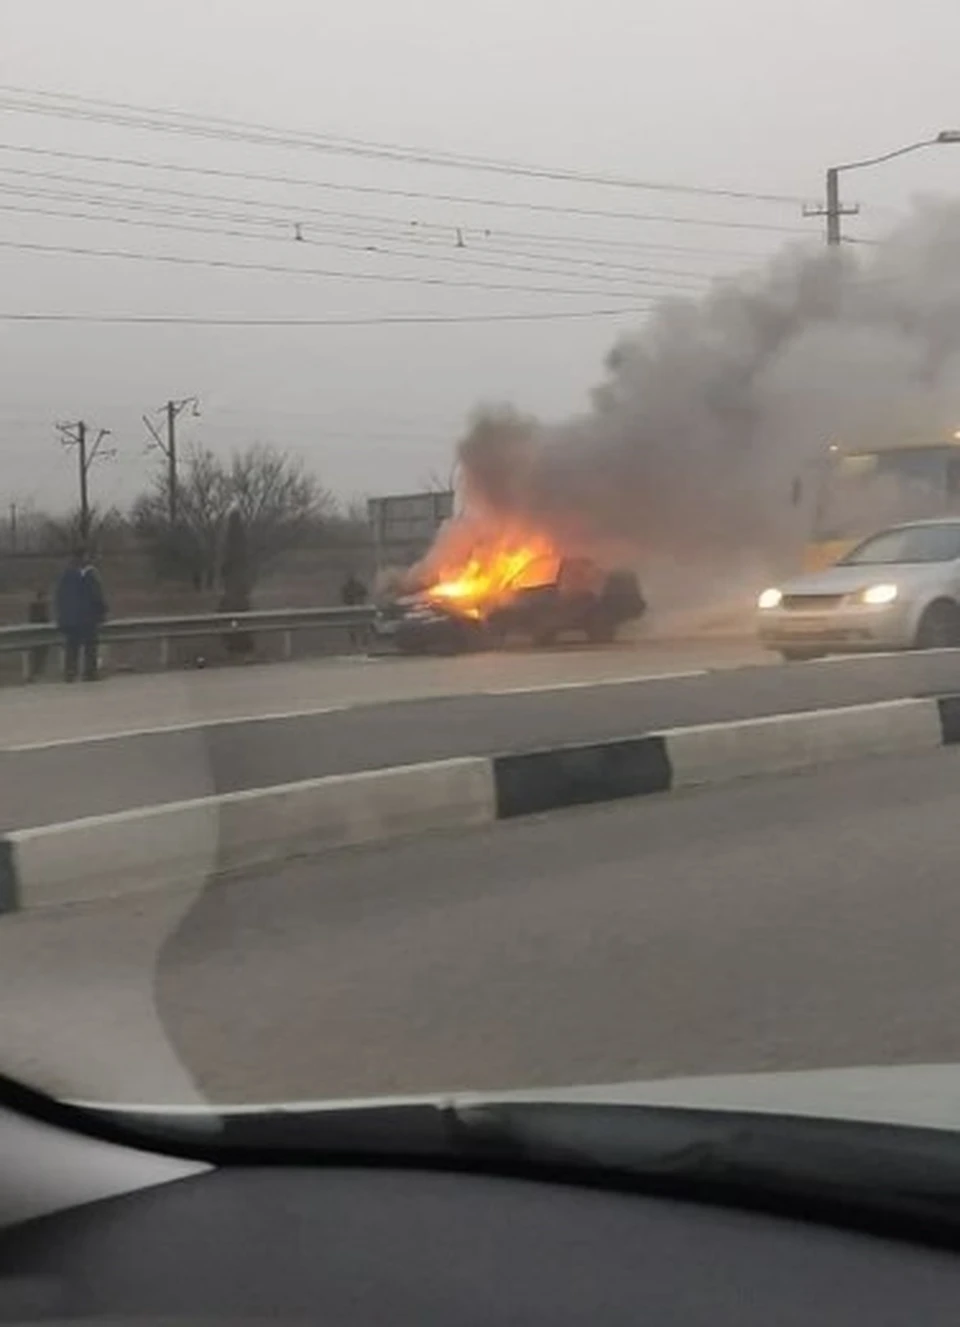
point(601, 631)
point(494, 635)
point(800, 656)
point(939, 627)
point(459, 638)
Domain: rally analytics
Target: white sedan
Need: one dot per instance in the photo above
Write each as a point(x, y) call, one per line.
point(898, 590)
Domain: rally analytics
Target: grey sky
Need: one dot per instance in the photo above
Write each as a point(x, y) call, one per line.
point(757, 95)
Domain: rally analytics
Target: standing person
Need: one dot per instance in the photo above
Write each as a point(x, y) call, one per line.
point(38, 610)
point(353, 593)
point(81, 609)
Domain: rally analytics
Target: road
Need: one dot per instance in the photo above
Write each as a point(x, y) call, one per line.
point(404, 712)
point(802, 922)
point(123, 703)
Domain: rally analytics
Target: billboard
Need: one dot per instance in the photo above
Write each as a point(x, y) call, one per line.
point(406, 524)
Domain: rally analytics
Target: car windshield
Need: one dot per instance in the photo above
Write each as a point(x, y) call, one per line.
point(412, 417)
point(909, 543)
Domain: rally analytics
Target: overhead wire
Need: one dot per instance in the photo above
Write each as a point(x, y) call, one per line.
point(31, 246)
point(465, 254)
point(412, 225)
point(433, 249)
point(617, 280)
point(386, 191)
point(158, 119)
point(377, 320)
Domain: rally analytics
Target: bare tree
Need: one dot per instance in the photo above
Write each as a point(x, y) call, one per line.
point(204, 500)
point(278, 500)
point(107, 531)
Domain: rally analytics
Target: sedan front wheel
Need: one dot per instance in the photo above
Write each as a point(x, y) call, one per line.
point(939, 627)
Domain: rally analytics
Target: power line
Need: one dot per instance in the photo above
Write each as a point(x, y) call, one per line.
point(161, 206)
point(159, 119)
point(384, 191)
point(380, 320)
point(407, 278)
point(465, 255)
point(411, 226)
point(611, 242)
point(133, 221)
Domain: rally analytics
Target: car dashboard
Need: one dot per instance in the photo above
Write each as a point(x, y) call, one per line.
point(99, 1231)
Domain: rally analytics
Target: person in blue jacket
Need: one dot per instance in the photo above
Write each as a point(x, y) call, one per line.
point(81, 609)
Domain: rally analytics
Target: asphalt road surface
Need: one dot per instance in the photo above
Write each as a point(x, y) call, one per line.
point(578, 701)
point(124, 703)
point(802, 922)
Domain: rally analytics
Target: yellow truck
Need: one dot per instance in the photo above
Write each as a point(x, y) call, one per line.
point(859, 489)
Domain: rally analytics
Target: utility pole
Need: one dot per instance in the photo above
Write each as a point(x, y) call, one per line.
point(833, 207)
point(168, 446)
point(833, 210)
point(78, 435)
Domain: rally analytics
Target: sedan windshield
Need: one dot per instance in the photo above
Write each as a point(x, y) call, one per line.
point(908, 543)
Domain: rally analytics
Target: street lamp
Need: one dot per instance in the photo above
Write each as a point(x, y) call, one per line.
point(833, 211)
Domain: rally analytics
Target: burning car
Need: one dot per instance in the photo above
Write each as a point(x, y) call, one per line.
point(526, 590)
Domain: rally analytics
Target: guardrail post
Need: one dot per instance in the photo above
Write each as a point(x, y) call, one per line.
point(25, 670)
point(288, 644)
point(164, 651)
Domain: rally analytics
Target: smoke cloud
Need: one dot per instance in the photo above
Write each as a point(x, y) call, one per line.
point(707, 416)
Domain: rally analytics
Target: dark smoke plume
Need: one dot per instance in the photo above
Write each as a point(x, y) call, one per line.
point(709, 415)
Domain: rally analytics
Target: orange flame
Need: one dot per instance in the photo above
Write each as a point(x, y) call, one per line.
point(491, 575)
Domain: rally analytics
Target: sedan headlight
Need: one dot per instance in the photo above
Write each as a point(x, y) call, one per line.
point(879, 594)
point(770, 599)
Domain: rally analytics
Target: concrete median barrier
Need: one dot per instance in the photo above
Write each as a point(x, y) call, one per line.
point(708, 752)
point(532, 781)
point(186, 843)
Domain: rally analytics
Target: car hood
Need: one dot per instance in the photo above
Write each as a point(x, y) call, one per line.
point(922, 1096)
point(847, 580)
point(409, 604)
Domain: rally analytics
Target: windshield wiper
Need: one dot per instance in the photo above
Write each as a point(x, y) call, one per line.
point(885, 1178)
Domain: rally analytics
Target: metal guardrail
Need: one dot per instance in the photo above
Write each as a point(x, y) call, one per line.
point(31, 636)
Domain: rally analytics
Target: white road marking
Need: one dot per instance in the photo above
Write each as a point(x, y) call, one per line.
point(595, 682)
point(174, 727)
point(862, 656)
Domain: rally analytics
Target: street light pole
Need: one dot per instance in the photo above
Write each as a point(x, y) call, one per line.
point(834, 211)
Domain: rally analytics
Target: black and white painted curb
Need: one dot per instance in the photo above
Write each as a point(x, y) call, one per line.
point(183, 844)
